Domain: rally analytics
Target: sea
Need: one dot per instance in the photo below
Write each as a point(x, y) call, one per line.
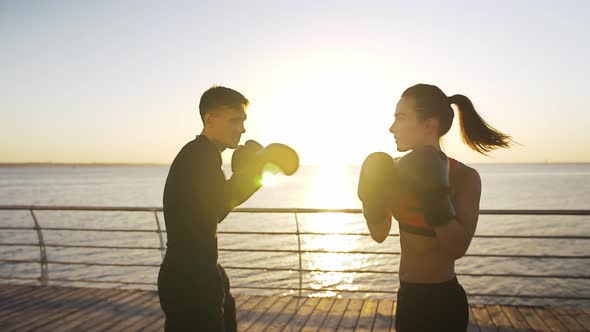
point(539, 186)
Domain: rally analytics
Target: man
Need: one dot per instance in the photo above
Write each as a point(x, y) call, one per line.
point(193, 288)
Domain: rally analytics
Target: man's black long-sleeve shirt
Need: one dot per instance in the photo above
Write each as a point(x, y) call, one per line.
point(195, 201)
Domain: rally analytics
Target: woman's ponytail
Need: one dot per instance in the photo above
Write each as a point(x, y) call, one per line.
point(475, 131)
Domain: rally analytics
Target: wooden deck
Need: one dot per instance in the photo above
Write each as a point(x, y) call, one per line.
point(33, 308)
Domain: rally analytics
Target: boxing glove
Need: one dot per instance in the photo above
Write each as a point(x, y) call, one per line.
point(377, 181)
point(424, 173)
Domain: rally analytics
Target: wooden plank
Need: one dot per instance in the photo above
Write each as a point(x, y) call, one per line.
point(516, 318)
point(351, 315)
point(12, 291)
point(549, 318)
point(57, 311)
point(5, 286)
point(151, 310)
point(394, 317)
point(302, 315)
point(269, 315)
point(56, 308)
point(20, 302)
point(335, 315)
point(149, 321)
point(367, 315)
point(383, 315)
point(247, 306)
point(319, 314)
point(157, 325)
point(6, 291)
point(483, 318)
point(472, 324)
point(533, 319)
point(21, 298)
point(566, 319)
point(500, 319)
point(68, 308)
point(105, 312)
point(72, 312)
point(27, 304)
point(154, 322)
point(285, 315)
point(247, 319)
point(133, 309)
point(119, 313)
point(580, 317)
point(103, 299)
point(241, 300)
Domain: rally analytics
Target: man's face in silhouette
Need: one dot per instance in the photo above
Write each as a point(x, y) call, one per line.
point(225, 125)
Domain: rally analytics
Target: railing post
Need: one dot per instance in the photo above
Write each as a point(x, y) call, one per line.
point(299, 252)
point(44, 279)
point(162, 248)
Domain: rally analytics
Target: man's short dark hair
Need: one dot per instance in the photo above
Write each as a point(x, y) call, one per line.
point(218, 96)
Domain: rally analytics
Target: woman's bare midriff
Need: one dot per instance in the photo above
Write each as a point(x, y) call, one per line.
point(423, 261)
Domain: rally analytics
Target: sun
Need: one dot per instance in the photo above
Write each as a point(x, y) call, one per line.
point(333, 186)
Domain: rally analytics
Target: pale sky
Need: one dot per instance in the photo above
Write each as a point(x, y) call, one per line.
point(120, 81)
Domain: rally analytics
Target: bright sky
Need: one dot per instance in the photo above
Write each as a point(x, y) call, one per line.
point(120, 81)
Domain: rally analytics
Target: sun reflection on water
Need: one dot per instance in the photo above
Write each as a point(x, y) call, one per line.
point(332, 189)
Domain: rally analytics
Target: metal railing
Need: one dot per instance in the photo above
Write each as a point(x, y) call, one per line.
point(44, 261)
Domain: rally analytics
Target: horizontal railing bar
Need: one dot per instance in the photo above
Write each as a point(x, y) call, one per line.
point(307, 289)
point(530, 296)
point(532, 276)
point(535, 237)
point(398, 253)
point(573, 212)
point(78, 229)
point(18, 261)
point(105, 281)
point(535, 212)
point(9, 228)
point(549, 276)
point(491, 236)
point(319, 289)
point(83, 280)
point(103, 264)
point(395, 292)
point(555, 237)
point(57, 245)
point(19, 278)
point(310, 251)
point(126, 230)
point(529, 256)
point(81, 208)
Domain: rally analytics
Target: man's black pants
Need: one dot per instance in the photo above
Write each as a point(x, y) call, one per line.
point(203, 303)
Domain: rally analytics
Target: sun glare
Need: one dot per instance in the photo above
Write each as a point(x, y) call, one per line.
point(332, 187)
point(270, 175)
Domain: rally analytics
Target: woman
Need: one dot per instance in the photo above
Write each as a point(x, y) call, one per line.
point(435, 199)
